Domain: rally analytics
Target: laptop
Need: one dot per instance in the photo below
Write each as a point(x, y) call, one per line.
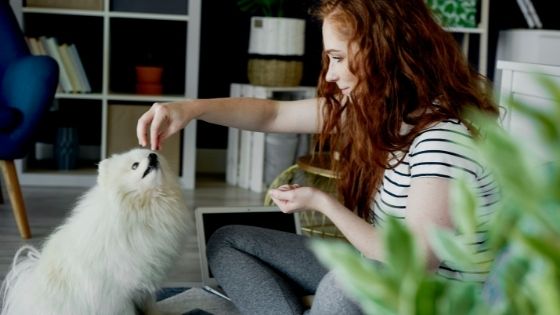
point(209, 219)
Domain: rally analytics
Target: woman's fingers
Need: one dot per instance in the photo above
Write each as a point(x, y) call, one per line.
point(287, 187)
point(141, 127)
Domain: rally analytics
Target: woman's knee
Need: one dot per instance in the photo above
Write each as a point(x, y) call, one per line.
point(330, 298)
point(221, 238)
point(226, 237)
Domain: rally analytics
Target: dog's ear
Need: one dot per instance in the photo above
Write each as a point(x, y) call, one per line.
point(102, 172)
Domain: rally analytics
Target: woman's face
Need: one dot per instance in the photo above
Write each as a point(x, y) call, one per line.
point(336, 48)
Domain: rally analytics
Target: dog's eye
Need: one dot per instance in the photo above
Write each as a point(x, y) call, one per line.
point(135, 166)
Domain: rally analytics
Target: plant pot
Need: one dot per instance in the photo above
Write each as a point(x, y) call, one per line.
point(149, 88)
point(149, 74)
point(276, 47)
point(277, 36)
point(274, 72)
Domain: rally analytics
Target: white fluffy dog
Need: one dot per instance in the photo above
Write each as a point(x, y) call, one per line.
point(113, 251)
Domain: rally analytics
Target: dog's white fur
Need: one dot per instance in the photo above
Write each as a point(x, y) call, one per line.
point(112, 252)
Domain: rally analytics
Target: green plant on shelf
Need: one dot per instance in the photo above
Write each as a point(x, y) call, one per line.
point(269, 8)
point(524, 235)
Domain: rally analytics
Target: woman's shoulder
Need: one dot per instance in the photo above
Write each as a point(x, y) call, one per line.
point(449, 129)
point(443, 148)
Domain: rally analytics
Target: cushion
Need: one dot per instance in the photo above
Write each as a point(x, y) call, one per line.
point(10, 118)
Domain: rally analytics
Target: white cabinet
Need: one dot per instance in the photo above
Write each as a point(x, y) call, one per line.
point(520, 83)
point(111, 41)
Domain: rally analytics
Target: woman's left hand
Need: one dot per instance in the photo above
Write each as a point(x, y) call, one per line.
point(293, 198)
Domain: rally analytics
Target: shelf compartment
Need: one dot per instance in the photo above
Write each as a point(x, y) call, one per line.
point(150, 6)
point(145, 45)
point(70, 120)
point(94, 5)
point(86, 32)
point(62, 11)
point(121, 133)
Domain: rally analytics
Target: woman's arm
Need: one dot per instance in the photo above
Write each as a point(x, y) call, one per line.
point(427, 207)
point(163, 120)
point(366, 238)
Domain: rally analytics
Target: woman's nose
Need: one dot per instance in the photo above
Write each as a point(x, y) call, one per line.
point(331, 75)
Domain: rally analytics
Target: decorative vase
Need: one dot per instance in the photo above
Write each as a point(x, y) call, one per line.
point(276, 48)
point(67, 148)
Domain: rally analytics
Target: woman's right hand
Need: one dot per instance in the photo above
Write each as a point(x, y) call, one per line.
point(160, 122)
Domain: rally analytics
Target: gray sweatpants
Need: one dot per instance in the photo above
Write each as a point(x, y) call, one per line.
point(267, 271)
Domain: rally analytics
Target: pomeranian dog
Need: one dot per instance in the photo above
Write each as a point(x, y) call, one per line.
point(112, 252)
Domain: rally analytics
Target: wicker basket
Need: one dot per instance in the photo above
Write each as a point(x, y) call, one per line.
point(273, 72)
point(313, 223)
point(67, 4)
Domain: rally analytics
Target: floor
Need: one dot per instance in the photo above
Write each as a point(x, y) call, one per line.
point(48, 206)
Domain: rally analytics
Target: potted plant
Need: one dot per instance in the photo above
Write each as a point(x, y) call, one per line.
point(524, 235)
point(149, 72)
point(276, 43)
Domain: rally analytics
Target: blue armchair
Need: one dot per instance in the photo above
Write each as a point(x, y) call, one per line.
point(27, 87)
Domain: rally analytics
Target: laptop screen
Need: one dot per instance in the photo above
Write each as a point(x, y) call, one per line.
point(209, 219)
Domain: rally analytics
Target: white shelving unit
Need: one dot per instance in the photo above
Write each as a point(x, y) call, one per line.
point(481, 31)
point(104, 96)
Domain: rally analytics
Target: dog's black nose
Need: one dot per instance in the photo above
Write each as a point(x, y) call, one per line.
point(153, 159)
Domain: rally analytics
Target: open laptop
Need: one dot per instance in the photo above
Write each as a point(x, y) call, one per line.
point(209, 219)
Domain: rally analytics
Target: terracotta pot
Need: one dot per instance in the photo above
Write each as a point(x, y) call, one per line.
point(148, 74)
point(149, 88)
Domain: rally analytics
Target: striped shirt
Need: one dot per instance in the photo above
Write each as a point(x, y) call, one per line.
point(441, 150)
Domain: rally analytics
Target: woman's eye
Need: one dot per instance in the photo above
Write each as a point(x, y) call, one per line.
point(135, 166)
point(336, 58)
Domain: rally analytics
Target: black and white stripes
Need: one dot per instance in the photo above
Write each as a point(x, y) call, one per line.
point(445, 151)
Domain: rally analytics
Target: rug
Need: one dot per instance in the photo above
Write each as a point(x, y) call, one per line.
point(193, 301)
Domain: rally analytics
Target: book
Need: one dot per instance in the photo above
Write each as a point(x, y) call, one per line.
point(70, 68)
point(41, 50)
point(51, 46)
point(232, 169)
point(35, 46)
point(246, 149)
point(28, 44)
point(256, 173)
point(80, 68)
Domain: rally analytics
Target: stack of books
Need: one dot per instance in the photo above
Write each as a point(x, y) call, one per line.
point(73, 78)
point(246, 150)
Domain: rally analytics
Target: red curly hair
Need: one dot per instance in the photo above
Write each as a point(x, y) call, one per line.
point(409, 70)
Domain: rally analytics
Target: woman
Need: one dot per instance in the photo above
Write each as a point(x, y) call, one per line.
point(390, 97)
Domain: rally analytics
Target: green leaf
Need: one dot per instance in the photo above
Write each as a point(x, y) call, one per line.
point(449, 248)
point(512, 274)
point(543, 282)
point(429, 291)
point(461, 298)
point(368, 283)
point(508, 162)
point(400, 248)
point(463, 208)
point(554, 90)
point(545, 246)
point(544, 122)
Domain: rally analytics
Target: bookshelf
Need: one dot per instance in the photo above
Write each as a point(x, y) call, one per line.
point(112, 39)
